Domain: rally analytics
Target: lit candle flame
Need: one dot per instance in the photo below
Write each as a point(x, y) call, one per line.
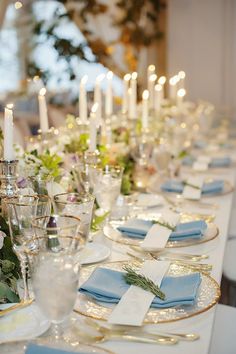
point(181, 92)
point(153, 77)
point(162, 80)
point(145, 95)
point(158, 87)
point(172, 81)
point(109, 75)
point(134, 76)
point(10, 106)
point(94, 108)
point(18, 5)
point(181, 74)
point(84, 79)
point(127, 77)
point(42, 91)
point(100, 77)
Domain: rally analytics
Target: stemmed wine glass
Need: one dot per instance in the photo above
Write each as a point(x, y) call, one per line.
point(21, 210)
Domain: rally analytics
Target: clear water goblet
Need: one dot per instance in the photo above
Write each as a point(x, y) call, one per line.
point(106, 186)
point(79, 205)
point(55, 278)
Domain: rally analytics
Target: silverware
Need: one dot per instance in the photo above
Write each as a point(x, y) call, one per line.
point(195, 266)
point(179, 201)
point(190, 264)
point(102, 337)
point(187, 256)
point(133, 331)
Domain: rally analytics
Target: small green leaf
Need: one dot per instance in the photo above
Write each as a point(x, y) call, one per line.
point(97, 220)
point(7, 266)
point(7, 293)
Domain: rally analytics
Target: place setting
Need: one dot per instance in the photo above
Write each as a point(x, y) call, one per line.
point(160, 229)
point(195, 292)
point(194, 187)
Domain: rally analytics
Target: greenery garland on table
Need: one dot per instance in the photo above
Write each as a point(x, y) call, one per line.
point(9, 266)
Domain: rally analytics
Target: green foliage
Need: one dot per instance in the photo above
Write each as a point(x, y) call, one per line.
point(138, 25)
point(47, 164)
point(9, 268)
point(128, 164)
point(51, 163)
point(97, 221)
point(133, 278)
point(182, 154)
point(78, 145)
point(121, 134)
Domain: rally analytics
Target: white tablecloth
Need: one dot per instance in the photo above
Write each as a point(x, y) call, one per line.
point(201, 324)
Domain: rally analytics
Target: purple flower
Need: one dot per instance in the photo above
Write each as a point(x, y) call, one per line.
point(21, 182)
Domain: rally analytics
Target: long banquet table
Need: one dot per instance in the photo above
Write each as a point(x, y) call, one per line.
point(202, 323)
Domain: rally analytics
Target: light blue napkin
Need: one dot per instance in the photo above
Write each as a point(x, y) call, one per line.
point(200, 144)
point(138, 228)
point(220, 162)
point(188, 161)
point(178, 187)
point(215, 162)
point(39, 349)
point(108, 285)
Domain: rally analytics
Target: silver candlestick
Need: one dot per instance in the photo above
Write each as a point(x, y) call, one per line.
point(8, 187)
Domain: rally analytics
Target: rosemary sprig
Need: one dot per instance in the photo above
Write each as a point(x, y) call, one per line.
point(165, 224)
point(185, 183)
point(133, 278)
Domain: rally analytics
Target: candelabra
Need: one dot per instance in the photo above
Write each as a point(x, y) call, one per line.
point(8, 187)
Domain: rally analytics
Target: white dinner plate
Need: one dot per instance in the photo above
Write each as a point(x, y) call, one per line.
point(93, 253)
point(25, 323)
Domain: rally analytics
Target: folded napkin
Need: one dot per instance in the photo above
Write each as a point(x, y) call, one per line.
point(220, 162)
point(39, 349)
point(200, 144)
point(138, 228)
point(178, 186)
point(109, 286)
point(214, 162)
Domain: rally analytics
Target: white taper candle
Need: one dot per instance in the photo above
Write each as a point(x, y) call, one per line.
point(145, 102)
point(43, 112)
point(83, 108)
point(98, 95)
point(93, 128)
point(159, 95)
point(133, 96)
point(9, 154)
point(150, 71)
point(125, 102)
point(109, 95)
point(151, 84)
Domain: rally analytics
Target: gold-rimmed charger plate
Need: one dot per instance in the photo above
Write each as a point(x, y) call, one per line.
point(111, 232)
point(19, 347)
point(208, 295)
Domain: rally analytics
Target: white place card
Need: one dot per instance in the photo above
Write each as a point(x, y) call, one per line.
point(158, 235)
point(193, 193)
point(135, 303)
point(202, 163)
